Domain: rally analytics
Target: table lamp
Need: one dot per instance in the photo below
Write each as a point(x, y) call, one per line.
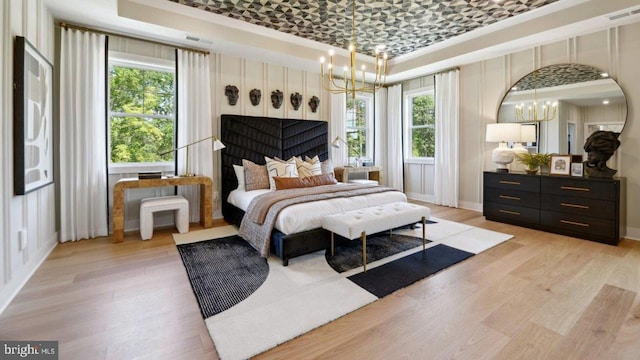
point(503, 133)
point(527, 135)
point(336, 144)
point(217, 145)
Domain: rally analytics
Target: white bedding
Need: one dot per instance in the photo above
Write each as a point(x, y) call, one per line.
point(306, 216)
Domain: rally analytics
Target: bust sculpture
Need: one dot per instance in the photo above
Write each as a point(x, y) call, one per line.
point(600, 146)
point(232, 94)
point(296, 100)
point(255, 95)
point(313, 103)
point(276, 99)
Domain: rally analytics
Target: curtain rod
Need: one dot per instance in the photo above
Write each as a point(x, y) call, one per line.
point(82, 28)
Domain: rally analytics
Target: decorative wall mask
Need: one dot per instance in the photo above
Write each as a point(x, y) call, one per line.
point(276, 98)
point(232, 94)
point(255, 95)
point(600, 146)
point(296, 100)
point(313, 103)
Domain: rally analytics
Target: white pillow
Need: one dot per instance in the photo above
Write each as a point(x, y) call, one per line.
point(280, 168)
point(240, 175)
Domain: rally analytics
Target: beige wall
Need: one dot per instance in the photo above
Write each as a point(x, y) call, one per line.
point(483, 84)
point(34, 213)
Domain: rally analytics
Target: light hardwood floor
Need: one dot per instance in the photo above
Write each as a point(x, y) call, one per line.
point(537, 296)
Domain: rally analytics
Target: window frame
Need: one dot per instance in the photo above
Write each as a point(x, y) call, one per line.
point(409, 127)
point(368, 128)
point(121, 59)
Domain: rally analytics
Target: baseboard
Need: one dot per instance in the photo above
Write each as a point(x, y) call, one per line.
point(420, 197)
point(632, 234)
point(471, 206)
point(13, 287)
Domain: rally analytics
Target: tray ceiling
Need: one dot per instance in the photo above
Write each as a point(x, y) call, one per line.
point(402, 26)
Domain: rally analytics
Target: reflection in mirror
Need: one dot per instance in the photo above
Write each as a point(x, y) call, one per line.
point(587, 100)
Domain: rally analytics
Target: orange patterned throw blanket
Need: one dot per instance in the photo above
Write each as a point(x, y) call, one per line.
point(261, 215)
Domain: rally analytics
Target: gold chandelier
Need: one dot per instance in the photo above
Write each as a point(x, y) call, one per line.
point(531, 113)
point(348, 83)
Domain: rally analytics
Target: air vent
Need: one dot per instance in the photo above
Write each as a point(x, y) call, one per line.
point(197, 39)
point(619, 16)
point(636, 11)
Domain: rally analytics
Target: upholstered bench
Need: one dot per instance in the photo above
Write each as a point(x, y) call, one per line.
point(150, 205)
point(355, 224)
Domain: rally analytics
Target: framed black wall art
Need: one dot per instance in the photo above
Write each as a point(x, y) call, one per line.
point(32, 118)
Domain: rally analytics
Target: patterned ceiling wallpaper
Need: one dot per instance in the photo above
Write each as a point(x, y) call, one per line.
point(403, 26)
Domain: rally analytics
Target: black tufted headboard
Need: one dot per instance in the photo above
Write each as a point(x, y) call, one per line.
point(253, 138)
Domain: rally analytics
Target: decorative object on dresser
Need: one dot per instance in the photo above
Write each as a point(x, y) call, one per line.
point(576, 169)
point(149, 175)
point(313, 103)
point(591, 209)
point(503, 133)
point(600, 146)
point(560, 165)
point(276, 98)
point(254, 96)
point(217, 145)
point(532, 162)
point(296, 100)
point(231, 92)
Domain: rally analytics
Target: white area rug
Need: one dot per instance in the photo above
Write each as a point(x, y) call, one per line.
point(309, 293)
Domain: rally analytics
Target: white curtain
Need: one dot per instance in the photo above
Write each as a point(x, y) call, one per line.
point(83, 153)
point(194, 123)
point(338, 128)
point(447, 132)
point(380, 126)
point(394, 168)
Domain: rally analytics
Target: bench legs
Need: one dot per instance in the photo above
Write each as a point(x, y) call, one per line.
point(424, 231)
point(364, 251)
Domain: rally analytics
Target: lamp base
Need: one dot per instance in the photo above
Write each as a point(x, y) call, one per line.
point(502, 170)
point(187, 175)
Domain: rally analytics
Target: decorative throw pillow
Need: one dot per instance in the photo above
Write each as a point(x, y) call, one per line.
point(312, 160)
point(255, 176)
point(327, 167)
point(239, 170)
point(309, 181)
point(306, 168)
point(278, 168)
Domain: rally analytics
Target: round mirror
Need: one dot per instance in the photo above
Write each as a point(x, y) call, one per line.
point(566, 102)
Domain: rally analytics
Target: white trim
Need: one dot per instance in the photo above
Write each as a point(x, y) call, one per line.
point(141, 62)
point(4, 303)
point(469, 205)
point(132, 168)
point(632, 233)
point(420, 197)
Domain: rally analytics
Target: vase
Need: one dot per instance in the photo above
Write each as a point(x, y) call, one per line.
point(531, 171)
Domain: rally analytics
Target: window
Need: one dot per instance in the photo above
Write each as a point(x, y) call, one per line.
point(141, 112)
point(421, 120)
point(359, 126)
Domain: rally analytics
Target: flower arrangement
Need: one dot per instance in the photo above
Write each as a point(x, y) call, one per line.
point(534, 161)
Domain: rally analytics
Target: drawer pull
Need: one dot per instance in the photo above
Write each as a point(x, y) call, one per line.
point(574, 188)
point(509, 197)
point(574, 205)
point(574, 223)
point(509, 182)
point(510, 212)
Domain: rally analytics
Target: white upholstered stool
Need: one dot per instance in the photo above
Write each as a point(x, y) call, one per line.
point(150, 205)
point(356, 224)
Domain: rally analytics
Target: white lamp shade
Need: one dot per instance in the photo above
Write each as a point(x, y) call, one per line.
point(218, 145)
point(503, 132)
point(528, 133)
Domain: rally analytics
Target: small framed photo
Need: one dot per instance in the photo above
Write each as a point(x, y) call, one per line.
point(560, 165)
point(576, 169)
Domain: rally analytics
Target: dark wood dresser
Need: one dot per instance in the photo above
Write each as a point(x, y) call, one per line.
point(591, 209)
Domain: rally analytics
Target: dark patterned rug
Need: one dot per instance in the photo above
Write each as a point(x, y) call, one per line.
point(223, 272)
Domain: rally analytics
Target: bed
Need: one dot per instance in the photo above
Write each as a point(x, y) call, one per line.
point(253, 138)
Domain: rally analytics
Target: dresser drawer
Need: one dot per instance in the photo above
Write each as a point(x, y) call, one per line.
point(519, 213)
point(579, 206)
point(604, 190)
point(594, 227)
point(512, 181)
point(512, 197)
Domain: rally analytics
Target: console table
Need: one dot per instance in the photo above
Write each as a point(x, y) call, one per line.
point(206, 200)
point(591, 209)
point(372, 172)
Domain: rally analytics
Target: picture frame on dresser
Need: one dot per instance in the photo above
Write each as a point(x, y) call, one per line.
point(576, 169)
point(560, 165)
